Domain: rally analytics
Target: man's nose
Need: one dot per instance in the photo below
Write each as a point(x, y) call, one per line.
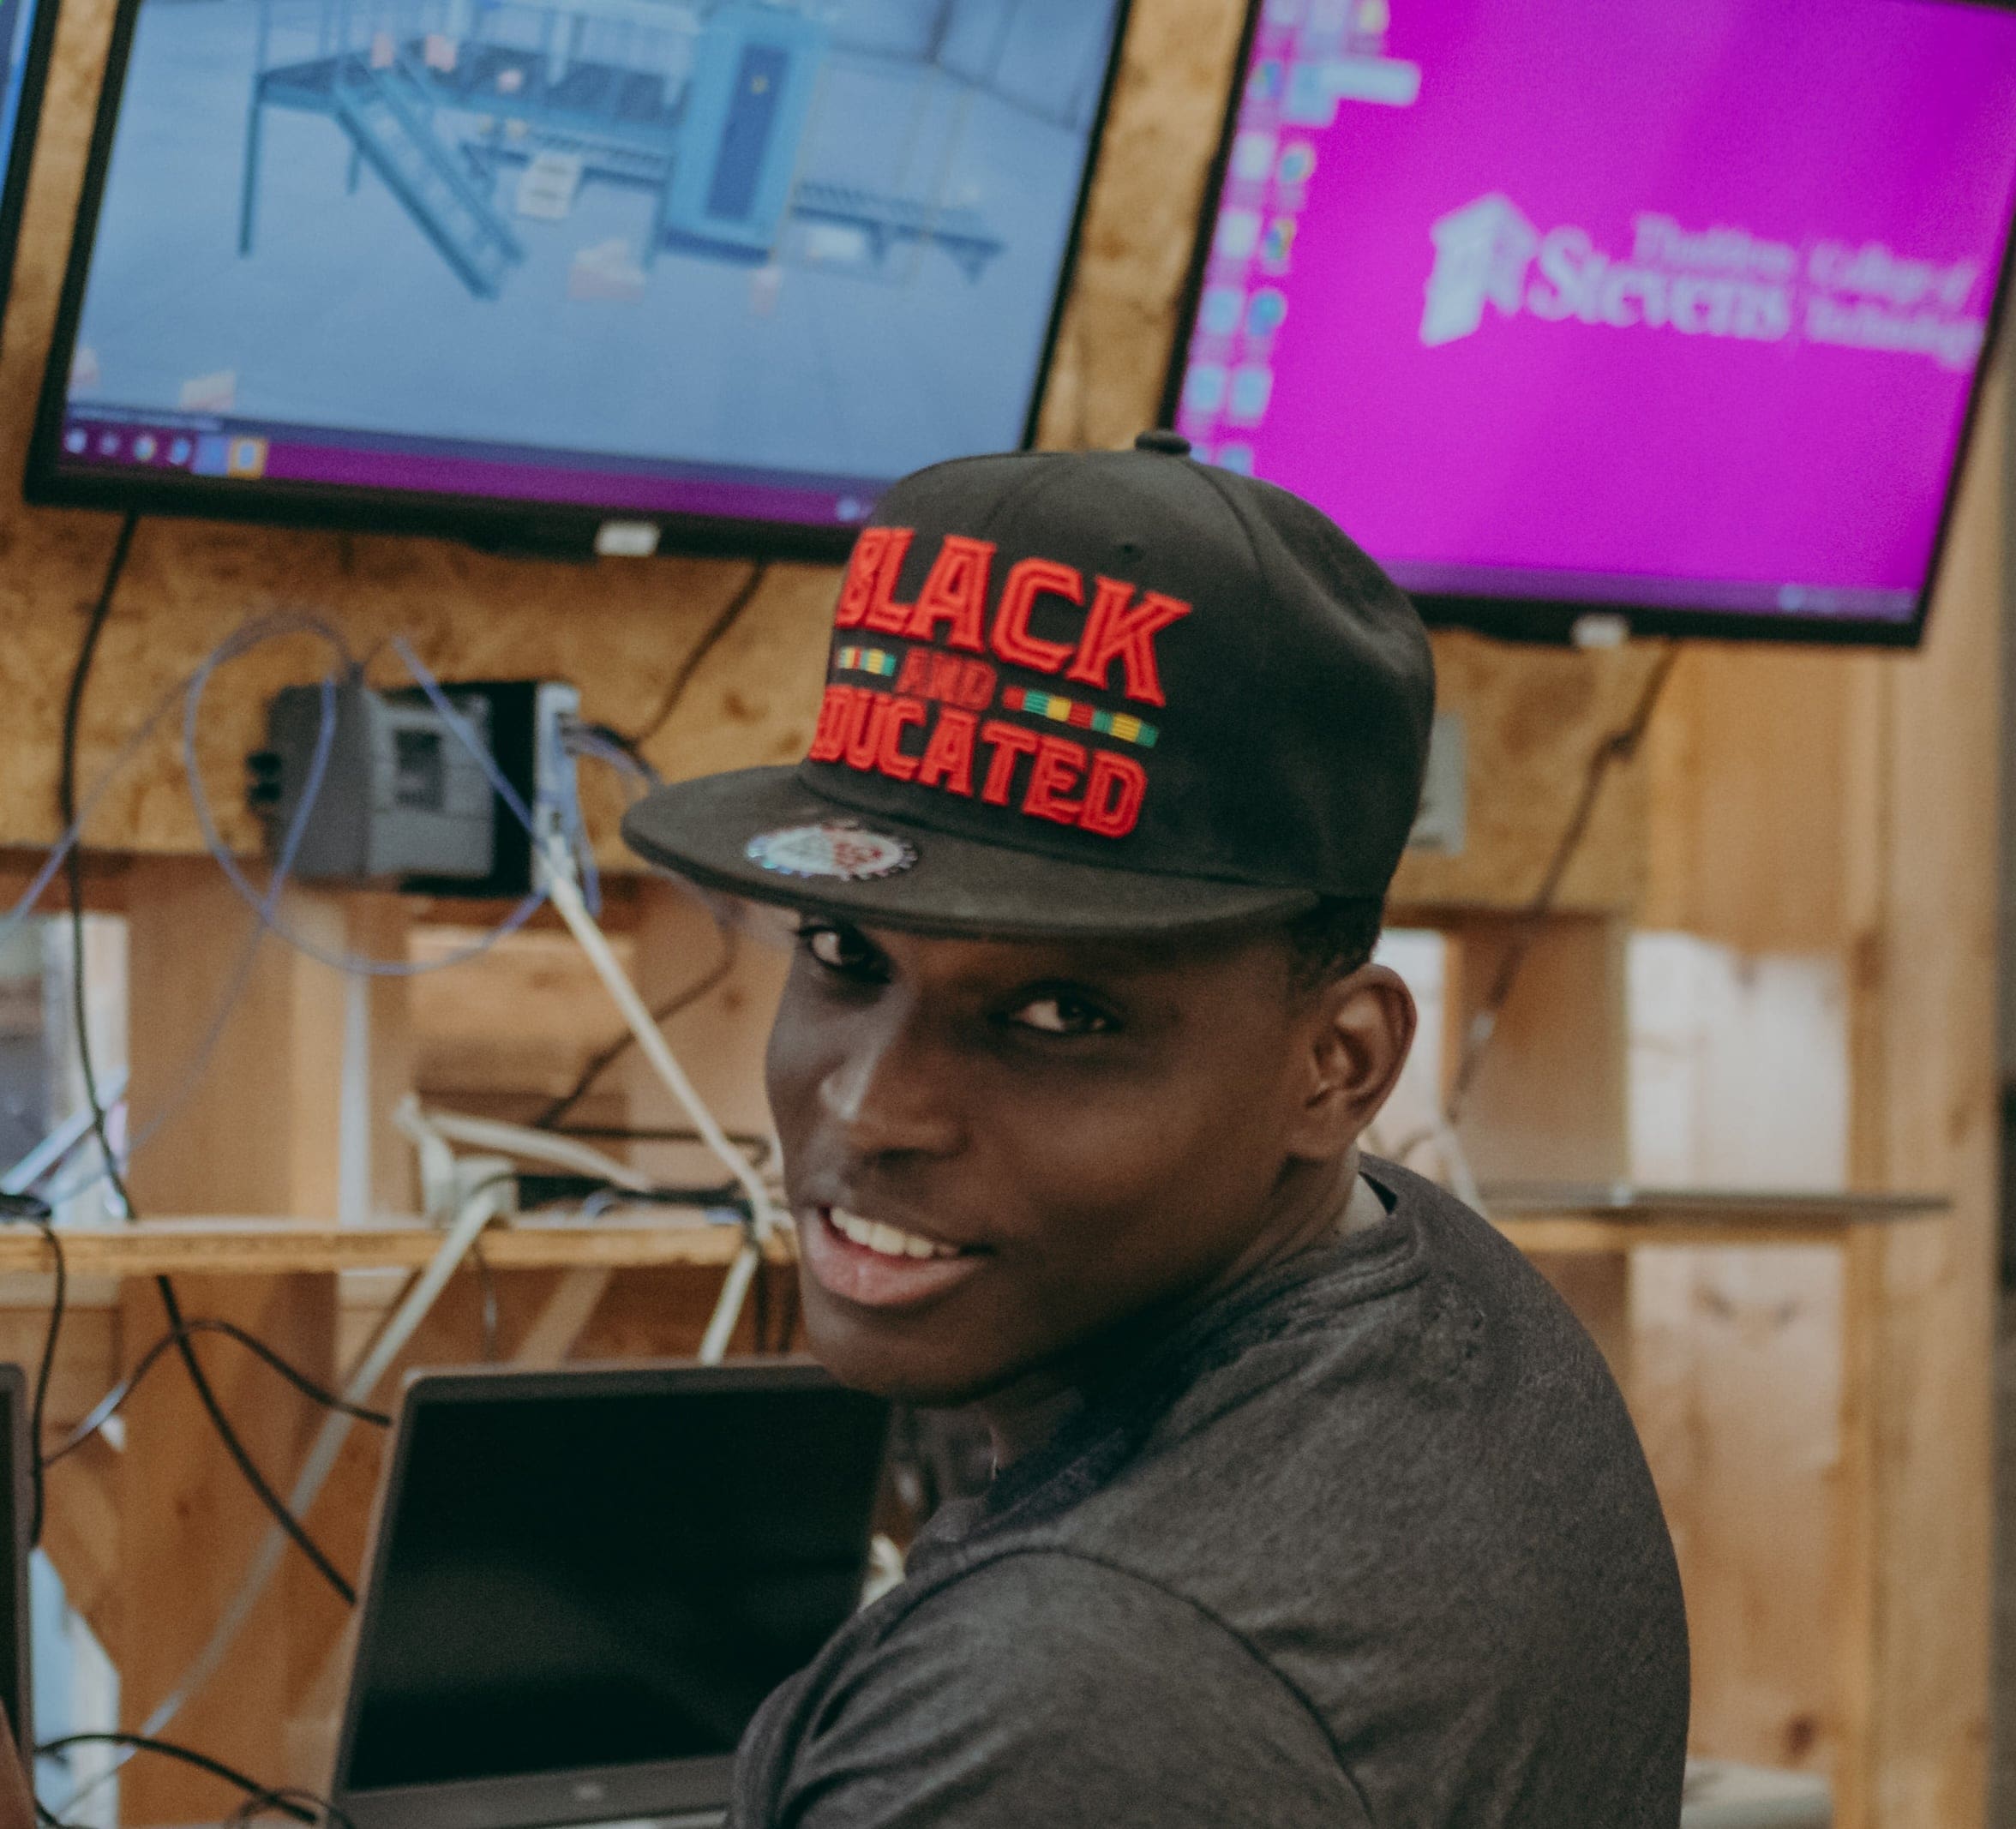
point(894, 1094)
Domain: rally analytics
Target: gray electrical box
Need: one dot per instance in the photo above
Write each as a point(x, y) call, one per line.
point(402, 795)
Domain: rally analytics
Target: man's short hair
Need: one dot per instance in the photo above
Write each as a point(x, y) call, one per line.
point(1333, 939)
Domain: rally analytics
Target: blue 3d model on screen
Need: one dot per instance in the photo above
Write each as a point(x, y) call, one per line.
point(737, 261)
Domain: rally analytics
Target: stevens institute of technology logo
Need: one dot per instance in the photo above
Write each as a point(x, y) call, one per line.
point(1482, 253)
point(1718, 282)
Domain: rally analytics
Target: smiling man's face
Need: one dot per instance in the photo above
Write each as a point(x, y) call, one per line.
point(999, 1152)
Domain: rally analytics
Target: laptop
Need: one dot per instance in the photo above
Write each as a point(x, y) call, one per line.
point(17, 1474)
point(582, 1584)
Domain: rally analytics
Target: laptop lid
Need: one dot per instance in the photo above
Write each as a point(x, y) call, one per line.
point(17, 1475)
point(582, 1583)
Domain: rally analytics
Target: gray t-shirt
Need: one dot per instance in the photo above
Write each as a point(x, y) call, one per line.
point(1369, 1542)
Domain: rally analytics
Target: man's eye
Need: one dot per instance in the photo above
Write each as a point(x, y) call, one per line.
point(840, 949)
point(1059, 1015)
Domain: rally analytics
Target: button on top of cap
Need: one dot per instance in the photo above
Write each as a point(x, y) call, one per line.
point(1169, 444)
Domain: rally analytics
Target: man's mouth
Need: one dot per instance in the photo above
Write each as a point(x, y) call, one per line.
point(875, 1264)
point(883, 1239)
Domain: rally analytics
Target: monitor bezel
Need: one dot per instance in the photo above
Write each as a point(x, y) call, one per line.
point(18, 151)
point(530, 528)
point(652, 1789)
point(1539, 618)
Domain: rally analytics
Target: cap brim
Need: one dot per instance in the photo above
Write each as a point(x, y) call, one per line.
point(702, 830)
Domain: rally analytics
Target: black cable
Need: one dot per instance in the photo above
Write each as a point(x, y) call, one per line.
point(66, 801)
point(538, 1187)
point(1619, 746)
point(35, 1213)
point(675, 692)
point(114, 1399)
point(73, 877)
point(66, 804)
point(600, 1062)
point(241, 1457)
point(304, 1807)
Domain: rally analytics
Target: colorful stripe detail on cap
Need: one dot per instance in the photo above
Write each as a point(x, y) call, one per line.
point(878, 660)
point(1060, 710)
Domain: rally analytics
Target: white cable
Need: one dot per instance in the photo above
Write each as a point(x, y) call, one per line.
point(539, 1146)
point(49, 1154)
point(727, 1309)
point(483, 1205)
point(566, 896)
point(764, 1220)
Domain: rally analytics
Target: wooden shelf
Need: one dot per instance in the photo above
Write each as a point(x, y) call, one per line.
point(254, 1247)
point(1555, 1221)
point(1560, 1221)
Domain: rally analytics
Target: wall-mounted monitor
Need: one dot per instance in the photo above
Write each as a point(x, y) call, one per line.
point(27, 28)
point(1673, 310)
point(514, 269)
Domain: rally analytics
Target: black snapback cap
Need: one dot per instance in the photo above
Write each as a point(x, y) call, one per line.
point(1095, 693)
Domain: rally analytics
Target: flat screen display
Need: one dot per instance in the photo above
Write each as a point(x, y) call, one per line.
point(1677, 310)
point(26, 27)
point(604, 1570)
point(723, 264)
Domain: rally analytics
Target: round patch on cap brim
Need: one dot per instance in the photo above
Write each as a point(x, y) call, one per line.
point(832, 850)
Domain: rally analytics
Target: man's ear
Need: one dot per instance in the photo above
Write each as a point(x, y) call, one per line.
point(1358, 1032)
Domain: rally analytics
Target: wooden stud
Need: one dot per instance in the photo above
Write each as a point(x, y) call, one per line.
point(1548, 1102)
point(1847, 803)
point(259, 1127)
point(380, 926)
point(82, 1534)
point(562, 1318)
point(1925, 1112)
point(719, 1039)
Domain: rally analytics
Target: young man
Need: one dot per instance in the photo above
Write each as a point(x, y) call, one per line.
point(1313, 1505)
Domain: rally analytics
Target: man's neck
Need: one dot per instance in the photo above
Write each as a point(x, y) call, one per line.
point(1026, 1415)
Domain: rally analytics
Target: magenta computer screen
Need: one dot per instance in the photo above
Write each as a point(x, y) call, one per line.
point(1674, 309)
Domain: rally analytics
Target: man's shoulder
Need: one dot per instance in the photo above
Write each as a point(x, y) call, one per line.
point(1352, 1489)
point(1044, 1680)
point(1045, 1595)
point(1429, 1322)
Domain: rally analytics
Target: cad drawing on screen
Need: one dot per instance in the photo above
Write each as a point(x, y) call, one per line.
point(745, 259)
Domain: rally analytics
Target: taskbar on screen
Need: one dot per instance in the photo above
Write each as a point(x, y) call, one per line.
point(106, 442)
point(1712, 596)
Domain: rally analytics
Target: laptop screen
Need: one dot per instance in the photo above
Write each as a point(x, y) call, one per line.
point(16, 1502)
point(584, 1570)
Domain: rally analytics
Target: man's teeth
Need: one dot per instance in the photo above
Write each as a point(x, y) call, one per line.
point(886, 1241)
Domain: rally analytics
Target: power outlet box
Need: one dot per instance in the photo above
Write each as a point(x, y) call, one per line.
point(526, 720)
point(403, 802)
